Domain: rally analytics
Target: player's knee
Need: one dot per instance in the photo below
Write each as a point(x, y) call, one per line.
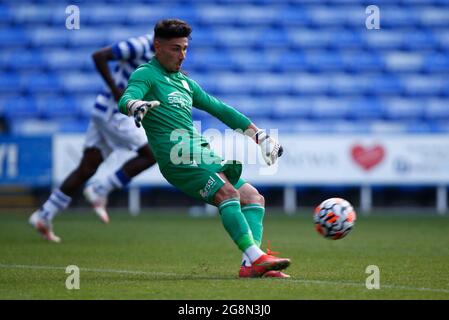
point(226, 192)
point(253, 198)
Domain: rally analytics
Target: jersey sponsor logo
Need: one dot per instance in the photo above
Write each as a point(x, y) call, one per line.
point(208, 187)
point(179, 100)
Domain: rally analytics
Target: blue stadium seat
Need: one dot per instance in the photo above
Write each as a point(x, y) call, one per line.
point(209, 61)
point(423, 85)
point(344, 39)
point(403, 109)
point(233, 83)
point(327, 16)
point(13, 38)
point(437, 109)
point(19, 107)
point(86, 83)
point(84, 104)
point(232, 38)
point(330, 108)
point(362, 61)
point(10, 83)
point(380, 85)
point(362, 109)
point(217, 15)
point(49, 37)
point(292, 17)
point(34, 14)
point(248, 61)
point(41, 83)
point(436, 62)
point(304, 84)
point(303, 39)
point(55, 106)
point(323, 61)
point(21, 60)
point(88, 37)
point(419, 40)
point(396, 17)
point(61, 60)
point(286, 107)
point(257, 15)
point(291, 61)
point(251, 106)
point(6, 17)
point(382, 39)
point(100, 14)
point(271, 84)
point(399, 61)
point(434, 17)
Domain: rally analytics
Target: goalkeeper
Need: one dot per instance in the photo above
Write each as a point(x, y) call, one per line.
point(160, 98)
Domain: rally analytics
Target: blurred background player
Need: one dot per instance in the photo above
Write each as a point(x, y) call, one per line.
point(167, 95)
point(108, 130)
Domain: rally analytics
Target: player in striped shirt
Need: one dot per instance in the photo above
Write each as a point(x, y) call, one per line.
point(108, 130)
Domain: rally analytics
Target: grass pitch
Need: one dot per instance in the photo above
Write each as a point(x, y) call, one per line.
point(170, 255)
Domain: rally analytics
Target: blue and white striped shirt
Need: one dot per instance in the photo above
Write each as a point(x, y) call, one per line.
point(130, 54)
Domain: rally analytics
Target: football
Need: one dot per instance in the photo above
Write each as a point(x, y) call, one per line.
point(334, 218)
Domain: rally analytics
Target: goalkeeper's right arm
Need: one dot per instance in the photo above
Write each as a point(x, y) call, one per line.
point(131, 103)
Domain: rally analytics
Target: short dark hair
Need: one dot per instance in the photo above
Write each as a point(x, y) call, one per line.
point(172, 28)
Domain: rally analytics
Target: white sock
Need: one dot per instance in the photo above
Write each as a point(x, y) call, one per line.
point(56, 202)
point(245, 260)
point(253, 253)
point(110, 183)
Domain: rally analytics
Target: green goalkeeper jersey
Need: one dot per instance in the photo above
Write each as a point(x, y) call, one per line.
point(168, 125)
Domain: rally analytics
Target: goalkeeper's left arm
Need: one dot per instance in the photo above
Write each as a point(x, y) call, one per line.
point(131, 102)
point(271, 149)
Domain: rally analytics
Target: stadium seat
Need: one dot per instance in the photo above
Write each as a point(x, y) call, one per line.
point(437, 109)
point(403, 109)
point(66, 60)
point(19, 107)
point(55, 106)
point(290, 107)
point(9, 83)
point(396, 61)
point(20, 60)
point(41, 83)
point(49, 37)
point(13, 38)
point(330, 108)
point(87, 83)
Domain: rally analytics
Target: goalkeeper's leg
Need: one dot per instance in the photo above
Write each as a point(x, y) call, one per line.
point(227, 198)
point(253, 208)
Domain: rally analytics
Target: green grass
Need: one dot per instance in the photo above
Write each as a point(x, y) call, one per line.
point(174, 256)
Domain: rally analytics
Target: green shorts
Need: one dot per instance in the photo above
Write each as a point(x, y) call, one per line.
point(201, 181)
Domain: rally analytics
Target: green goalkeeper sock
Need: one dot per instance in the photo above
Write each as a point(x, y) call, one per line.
point(254, 214)
point(235, 223)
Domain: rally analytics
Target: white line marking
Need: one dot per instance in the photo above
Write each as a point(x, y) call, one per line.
point(168, 274)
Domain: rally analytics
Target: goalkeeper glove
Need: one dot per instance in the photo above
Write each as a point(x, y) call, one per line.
point(139, 108)
point(271, 149)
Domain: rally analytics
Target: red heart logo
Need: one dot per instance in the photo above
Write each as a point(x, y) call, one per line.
point(367, 158)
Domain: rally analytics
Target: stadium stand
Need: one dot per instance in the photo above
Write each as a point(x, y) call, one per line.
point(306, 63)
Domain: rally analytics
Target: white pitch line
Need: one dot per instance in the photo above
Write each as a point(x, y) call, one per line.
point(167, 274)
